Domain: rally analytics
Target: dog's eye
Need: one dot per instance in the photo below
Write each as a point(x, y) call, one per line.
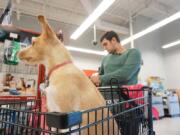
point(33, 43)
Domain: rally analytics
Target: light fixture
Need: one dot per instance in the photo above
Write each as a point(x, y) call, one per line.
point(105, 4)
point(152, 28)
point(171, 44)
point(86, 50)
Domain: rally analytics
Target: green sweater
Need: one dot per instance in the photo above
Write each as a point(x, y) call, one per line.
point(124, 67)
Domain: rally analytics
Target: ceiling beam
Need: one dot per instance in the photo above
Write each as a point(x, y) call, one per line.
point(106, 26)
point(162, 8)
point(102, 25)
point(87, 4)
point(142, 7)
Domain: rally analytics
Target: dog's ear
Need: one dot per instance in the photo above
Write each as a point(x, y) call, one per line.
point(46, 29)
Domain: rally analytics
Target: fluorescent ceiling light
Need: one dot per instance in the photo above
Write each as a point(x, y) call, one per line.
point(152, 28)
point(171, 44)
point(105, 4)
point(86, 50)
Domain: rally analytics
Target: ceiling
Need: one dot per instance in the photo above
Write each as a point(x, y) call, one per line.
point(73, 12)
point(67, 15)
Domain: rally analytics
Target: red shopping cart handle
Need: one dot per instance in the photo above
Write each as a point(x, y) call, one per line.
point(19, 98)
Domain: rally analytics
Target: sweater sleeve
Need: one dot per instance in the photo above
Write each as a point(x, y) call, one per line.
point(101, 69)
point(131, 66)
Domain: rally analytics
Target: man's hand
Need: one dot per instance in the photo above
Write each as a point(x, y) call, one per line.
point(95, 79)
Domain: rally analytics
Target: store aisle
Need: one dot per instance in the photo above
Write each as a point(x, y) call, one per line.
point(167, 126)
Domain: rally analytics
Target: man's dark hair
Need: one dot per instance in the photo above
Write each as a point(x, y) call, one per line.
point(109, 35)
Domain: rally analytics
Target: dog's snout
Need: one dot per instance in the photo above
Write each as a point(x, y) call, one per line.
point(20, 54)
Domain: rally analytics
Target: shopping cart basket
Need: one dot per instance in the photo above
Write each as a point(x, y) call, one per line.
point(17, 119)
point(134, 114)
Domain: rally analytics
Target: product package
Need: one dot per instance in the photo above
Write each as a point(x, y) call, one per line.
point(3, 35)
point(10, 52)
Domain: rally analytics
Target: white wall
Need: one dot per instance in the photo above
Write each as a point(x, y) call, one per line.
point(86, 61)
point(172, 67)
point(152, 54)
point(169, 34)
point(159, 62)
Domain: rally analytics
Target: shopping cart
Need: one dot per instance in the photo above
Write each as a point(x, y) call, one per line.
point(132, 115)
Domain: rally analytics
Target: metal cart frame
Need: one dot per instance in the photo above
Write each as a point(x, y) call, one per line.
point(133, 116)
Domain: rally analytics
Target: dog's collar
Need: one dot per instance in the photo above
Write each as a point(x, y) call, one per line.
point(58, 66)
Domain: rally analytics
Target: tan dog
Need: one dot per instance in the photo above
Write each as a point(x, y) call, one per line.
point(69, 89)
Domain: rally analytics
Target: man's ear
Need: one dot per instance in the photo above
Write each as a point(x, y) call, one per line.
point(47, 31)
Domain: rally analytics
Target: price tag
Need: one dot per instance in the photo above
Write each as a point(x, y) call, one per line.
point(13, 35)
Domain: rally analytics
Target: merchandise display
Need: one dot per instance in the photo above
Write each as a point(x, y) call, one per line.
point(10, 52)
point(156, 83)
point(17, 78)
point(3, 35)
point(14, 85)
point(157, 102)
point(173, 105)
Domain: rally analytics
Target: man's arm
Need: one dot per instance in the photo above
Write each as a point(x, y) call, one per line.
point(95, 77)
point(131, 66)
point(101, 69)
